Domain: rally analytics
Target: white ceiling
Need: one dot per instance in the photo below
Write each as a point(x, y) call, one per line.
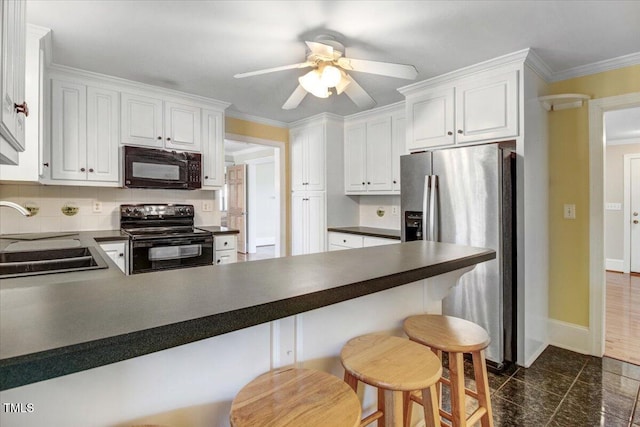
point(197, 46)
point(623, 126)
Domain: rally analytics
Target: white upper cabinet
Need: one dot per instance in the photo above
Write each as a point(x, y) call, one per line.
point(479, 108)
point(12, 82)
point(141, 121)
point(373, 144)
point(308, 158)
point(84, 140)
point(212, 148)
point(487, 108)
point(182, 127)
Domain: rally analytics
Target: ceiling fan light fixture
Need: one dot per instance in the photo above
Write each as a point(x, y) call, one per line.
point(330, 76)
point(312, 83)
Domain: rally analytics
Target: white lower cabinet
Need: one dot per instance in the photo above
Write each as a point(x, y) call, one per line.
point(308, 222)
point(340, 241)
point(119, 253)
point(226, 249)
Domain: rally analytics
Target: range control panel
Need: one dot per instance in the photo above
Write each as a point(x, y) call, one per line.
point(159, 211)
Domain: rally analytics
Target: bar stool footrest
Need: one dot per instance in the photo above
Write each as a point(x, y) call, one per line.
point(371, 418)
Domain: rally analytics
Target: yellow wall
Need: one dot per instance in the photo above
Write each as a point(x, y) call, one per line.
point(273, 133)
point(569, 183)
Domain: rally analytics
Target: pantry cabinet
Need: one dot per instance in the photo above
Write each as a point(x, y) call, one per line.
point(308, 158)
point(14, 108)
point(479, 108)
point(84, 133)
point(308, 213)
point(373, 144)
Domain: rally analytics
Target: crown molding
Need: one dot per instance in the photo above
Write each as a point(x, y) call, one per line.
point(322, 117)
point(538, 66)
point(255, 119)
point(385, 109)
point(597, 67)
point(623, 141)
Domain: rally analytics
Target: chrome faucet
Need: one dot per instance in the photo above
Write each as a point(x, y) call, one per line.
point(15, 206)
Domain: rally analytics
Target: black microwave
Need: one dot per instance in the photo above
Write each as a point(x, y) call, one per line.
point(155, 168)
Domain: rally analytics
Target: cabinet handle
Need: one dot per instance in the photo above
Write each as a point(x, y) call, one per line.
point(82, 169)
point(159, 137)
point(395, 182)
point(168, 139)
point(460, 131)
point(22, 108)
point(449, 133)
point(368, 183)
point(90, 169)
point(120, 255)
point(218, 261)
point(206, 177)
point(226, 243)
point(363, 183)
point(46, 165)
point(344, 241)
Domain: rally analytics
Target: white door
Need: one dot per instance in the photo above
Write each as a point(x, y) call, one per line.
point(635, 215)
point(379, 155)
point(182, 126)
point(236, 207)
point(355, 140)
point(141, 120)
point(69, 131)
point(102, 135)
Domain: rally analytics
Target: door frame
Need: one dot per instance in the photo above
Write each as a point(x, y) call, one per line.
point(626, 263)
point(280, 184)
point(251, 198)
point(597, 278)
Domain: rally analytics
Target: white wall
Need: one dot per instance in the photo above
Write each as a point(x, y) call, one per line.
point(369, 206)
point(265, 203)
point(614, 193)
point(50, 200)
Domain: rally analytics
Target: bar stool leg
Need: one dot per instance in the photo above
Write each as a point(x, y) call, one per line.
point(351, 381)
point(431, 408)
point(382, 407)
point(482, 384)
point(456, 372)
point(393, 409)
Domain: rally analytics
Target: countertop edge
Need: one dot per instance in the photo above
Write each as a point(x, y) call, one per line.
point(368, 231)
point(31, 368)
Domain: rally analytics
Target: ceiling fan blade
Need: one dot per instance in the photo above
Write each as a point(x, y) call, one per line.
point(401, 71)
point(295, 99)
point(358, 95)
point(320, 49)
point(271, 70)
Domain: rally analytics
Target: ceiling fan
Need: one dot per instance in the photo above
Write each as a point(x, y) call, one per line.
point(329, 73)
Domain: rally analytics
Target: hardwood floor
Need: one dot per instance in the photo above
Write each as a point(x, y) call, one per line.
point(622, 335)
point(262, 252)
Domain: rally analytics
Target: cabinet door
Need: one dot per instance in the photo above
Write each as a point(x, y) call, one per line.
point(316, 226)
point(182, 127)
point(68, 131)
point(226, 257)
point(118, 252)
point(397, 150)
point(355, 138)
point(13, 44)
point(315, 158)
point(430, 119)
point(378, 241)
point(141, 120)
point(298, 229)
point(212, 148)
point(298, 178)
point(379, 155)
point(487, 109)
point(103, 112)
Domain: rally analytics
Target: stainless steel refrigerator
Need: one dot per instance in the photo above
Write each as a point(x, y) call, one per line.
point(466, 196)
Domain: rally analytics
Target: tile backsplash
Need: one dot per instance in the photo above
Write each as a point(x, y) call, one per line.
point(50, 200)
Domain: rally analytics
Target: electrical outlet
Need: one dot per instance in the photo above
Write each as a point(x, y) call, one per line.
point(207, 206)
point(394, 210)
point(97, 206)
point(569, 211)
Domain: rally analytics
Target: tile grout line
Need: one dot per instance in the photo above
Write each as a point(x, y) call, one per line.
point(575, 380)
point(636, 407)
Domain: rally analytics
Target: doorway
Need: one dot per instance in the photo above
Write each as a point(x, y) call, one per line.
point(597, 264)
point(261, 161)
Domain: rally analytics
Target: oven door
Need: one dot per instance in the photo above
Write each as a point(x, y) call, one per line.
point(151, 168)
point(168, 253)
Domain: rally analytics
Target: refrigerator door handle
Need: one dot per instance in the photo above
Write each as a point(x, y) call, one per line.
point(426, 230)
point(433, 209)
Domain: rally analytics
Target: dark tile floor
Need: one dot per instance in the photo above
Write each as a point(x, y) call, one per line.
point(565, 389)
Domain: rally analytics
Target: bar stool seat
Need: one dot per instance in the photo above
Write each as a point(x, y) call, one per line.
point(456, 337)
point(395, 366)
point(294, 398)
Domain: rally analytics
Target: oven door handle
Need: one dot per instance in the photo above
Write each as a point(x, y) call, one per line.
point(172, 242)
point(164, 253)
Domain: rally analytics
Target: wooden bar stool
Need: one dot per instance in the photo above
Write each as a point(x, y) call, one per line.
point(456, 337)
point(294, 398)
point(395, 366)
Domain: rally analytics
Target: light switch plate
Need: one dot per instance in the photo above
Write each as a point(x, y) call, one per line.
point(207, 206)
point(613, 206)
point(569, 211)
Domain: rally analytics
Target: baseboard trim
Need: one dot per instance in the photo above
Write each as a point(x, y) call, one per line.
point(615, 264)
point(569, 336)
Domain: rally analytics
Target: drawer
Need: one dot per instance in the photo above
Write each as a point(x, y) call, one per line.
point(226, 257)
point(225, 242)
point(378, 241)
point(344, 239)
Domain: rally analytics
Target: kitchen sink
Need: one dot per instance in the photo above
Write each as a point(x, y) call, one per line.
point(30, 263)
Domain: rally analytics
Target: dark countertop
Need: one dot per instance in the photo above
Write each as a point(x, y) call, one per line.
point(72, 323)
point(384, 233)
point(218, 230)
